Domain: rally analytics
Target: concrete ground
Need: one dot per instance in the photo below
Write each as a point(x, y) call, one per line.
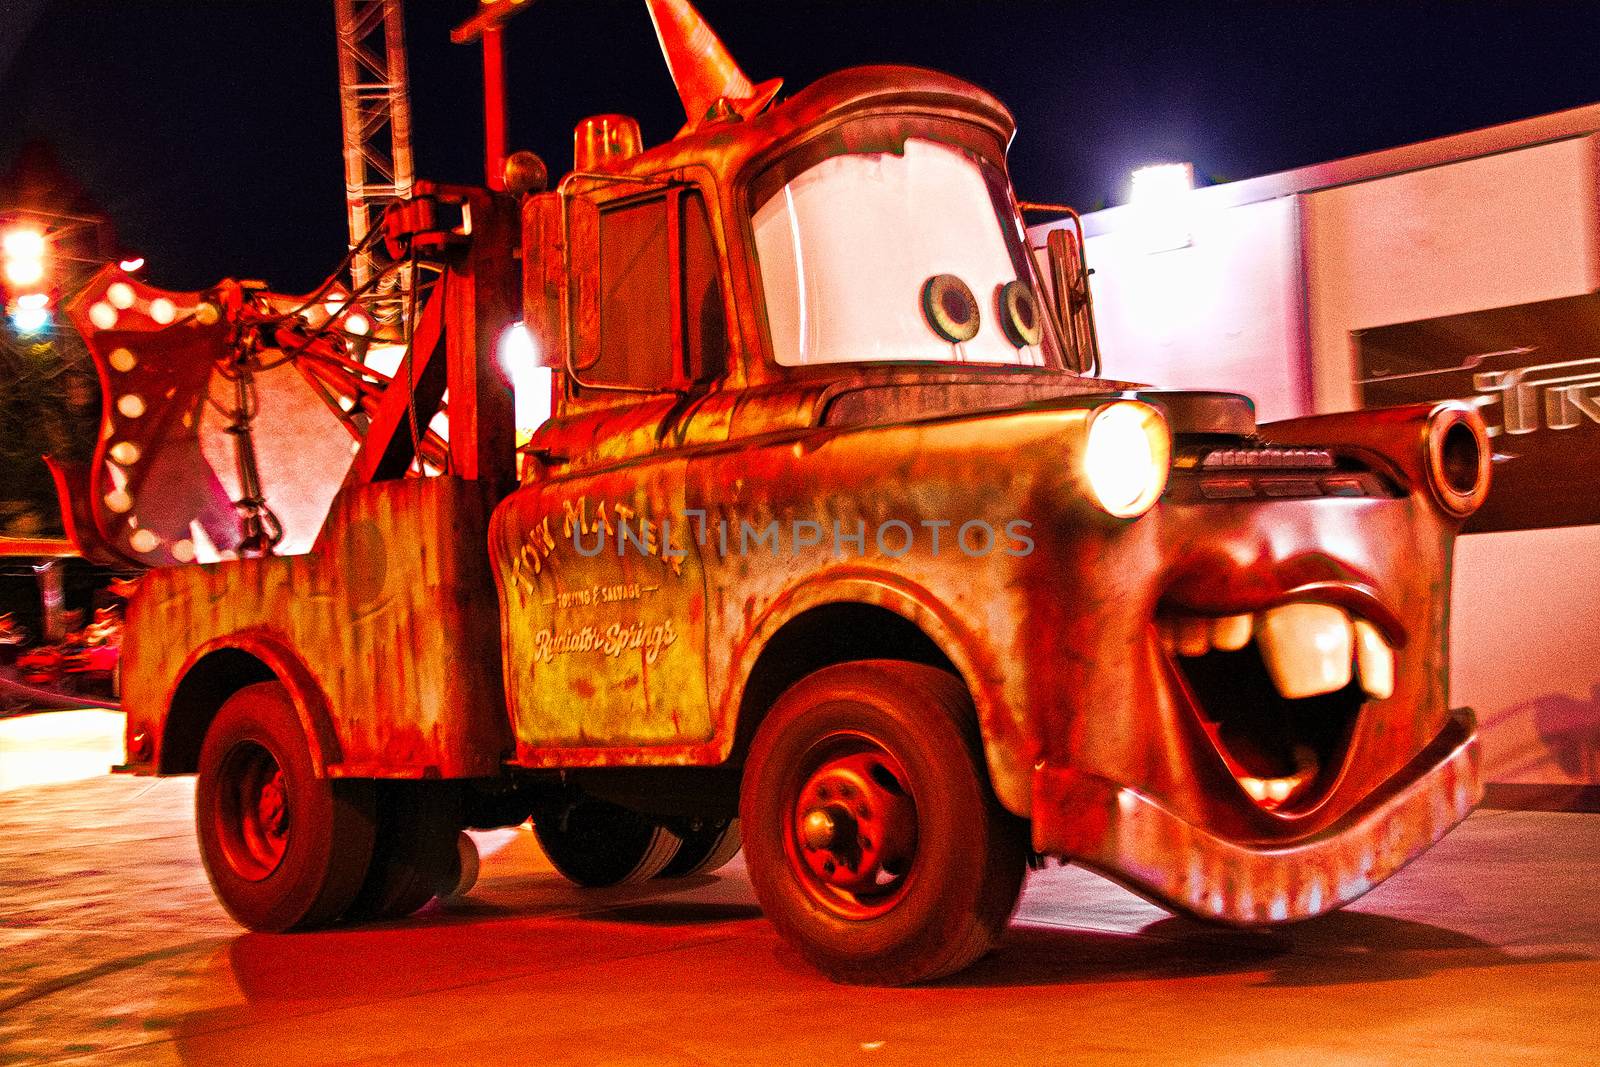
point(113, 951)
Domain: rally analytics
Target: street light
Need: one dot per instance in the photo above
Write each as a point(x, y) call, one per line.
point(1163, 198)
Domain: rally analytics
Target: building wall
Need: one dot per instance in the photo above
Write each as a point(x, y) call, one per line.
point(1226, 309)
point(1510, 228)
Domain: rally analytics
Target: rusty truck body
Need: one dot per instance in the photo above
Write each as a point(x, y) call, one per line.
point(833, 544)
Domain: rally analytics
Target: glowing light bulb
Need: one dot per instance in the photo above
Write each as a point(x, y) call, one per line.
point(1162, 197)
point(530, 383)
point(27, 320)
point(23, 243)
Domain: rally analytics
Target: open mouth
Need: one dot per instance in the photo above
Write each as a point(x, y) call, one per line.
point(1279, 692)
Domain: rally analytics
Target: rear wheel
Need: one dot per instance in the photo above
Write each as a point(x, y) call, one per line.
point(596, 843)
point(414, 855)
point(285, 849)
point(708, 845)
point(873, 840)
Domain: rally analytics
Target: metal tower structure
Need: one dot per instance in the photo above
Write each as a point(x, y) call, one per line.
point(375, 107)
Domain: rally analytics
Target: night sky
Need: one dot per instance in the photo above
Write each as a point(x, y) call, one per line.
point(209, 131)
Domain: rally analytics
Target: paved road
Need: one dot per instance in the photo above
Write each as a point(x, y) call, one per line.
point(112, 951)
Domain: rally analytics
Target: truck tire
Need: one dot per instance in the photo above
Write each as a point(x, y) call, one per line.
point(285, 849)
point(414, 853)
point(707, 846)
point(595, 843)
point(872, 837)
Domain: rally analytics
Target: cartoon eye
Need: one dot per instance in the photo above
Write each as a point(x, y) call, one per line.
point(950, 308)
point(1018, 310)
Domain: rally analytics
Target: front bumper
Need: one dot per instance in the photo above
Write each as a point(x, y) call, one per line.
point(1132, 839)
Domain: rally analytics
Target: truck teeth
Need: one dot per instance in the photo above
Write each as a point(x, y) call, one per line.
point(1232, 633)
point(1193, 636)
point(1307, 648)
point(1272, 793)
point(1374, 661)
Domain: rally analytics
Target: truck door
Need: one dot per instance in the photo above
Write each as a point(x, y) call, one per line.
point(603, 589)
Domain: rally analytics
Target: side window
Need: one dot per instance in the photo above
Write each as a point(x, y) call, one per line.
point(661, 311)
point(705, 325)
point(635, 347)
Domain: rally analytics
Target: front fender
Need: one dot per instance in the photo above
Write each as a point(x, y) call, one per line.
point(1000, 723)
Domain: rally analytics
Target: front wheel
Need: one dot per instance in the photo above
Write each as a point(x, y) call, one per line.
point(285, 849)
point(872, 838)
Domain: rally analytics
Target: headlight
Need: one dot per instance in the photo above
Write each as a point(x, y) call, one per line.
point(1126, 457)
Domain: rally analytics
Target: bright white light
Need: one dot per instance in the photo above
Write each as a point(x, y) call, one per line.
point(121, 295)
point(163, 311)
point(1162, 197)
point(22, 271)
point(386, 359)
point(103, 315)
point(131, 265)
point(517, 348)
point(26, 320)
point(530, 383)
point(358, 324)
point(24, 254)
point(58, 746)
point(23, 244)
point(33, 300)
point(1126, 457)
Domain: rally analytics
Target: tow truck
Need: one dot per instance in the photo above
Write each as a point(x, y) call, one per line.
point(834, 546)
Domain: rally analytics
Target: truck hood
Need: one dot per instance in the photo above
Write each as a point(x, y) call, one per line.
point(1187, 411)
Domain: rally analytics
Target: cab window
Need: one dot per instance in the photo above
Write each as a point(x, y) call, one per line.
point(661, 308)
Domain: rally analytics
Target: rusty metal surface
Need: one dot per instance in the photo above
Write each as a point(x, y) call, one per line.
point(652, 553)
point(386, 633)
point(642, 657)
point(1059, 646)
point(1131, 837)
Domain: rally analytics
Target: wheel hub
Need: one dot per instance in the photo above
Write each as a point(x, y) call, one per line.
point(273, 812)
point(253, 816)
point(856, 828)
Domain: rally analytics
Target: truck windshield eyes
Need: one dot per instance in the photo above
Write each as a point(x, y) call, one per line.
point(844, 244)
point(1019, 314)
point(950, 308)
point(952, 311)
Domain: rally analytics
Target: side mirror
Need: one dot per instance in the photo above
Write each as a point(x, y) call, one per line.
point(544, 278)
point(560, 280)
point(1070, 296)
